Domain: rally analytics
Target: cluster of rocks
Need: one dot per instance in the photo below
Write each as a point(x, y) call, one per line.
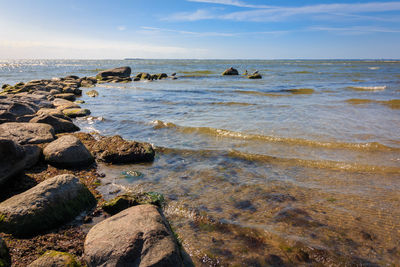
point(36, 127)
point(123, 75)
point(233, 71)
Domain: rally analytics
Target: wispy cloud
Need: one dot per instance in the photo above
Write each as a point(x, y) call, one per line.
point(121, 28)
point(212, 34)
point(230, 3)
point(354, 30)
point(262, 13)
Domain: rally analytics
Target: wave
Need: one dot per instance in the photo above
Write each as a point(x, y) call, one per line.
point(319, 164)
point(373, 68)
point(233, 104)
point(367, 88)
point(394, 103)
point(372, 146)
point(296, 91)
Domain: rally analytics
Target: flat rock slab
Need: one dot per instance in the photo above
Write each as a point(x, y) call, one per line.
point(27, 133)
point(114, 149)
point(49, 204)
point(56, 259)
point(76, 112)
point(119, 72)
point(67, 151)
point(138, 236)
point(5, 259)
point(60, 125)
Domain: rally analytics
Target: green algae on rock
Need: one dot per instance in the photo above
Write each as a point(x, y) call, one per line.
point(92, 93)
point(255, 76)
point(51, 203)
point(55, 258)
point(76, 112)
point(127, 200)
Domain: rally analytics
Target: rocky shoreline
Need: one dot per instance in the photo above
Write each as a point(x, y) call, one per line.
point(50, 211)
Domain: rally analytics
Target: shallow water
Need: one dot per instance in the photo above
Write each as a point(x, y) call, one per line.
point(304, 161)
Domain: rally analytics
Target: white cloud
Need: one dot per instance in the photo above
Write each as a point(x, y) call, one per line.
point(278, 13)
point(354, 30)
point(121, 28)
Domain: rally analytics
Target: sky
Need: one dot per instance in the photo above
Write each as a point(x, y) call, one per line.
point(217, 29)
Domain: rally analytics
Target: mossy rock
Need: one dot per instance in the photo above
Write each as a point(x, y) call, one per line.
point(162, 76)
point(255, 76)
point(76, 112)
point(5, 259)
point(92, 93)
point(55, 258)
point(132, 199)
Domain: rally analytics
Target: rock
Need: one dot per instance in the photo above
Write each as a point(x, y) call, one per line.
point(64, 104)
point(32, 155)
point(295, 217)
point(117, 150)
point(67, 151)
point(66, 96)
point(27, 133)
point(143, 76)
point(12, 159)
point(118, 72)
point(53, 112)
point(88, 82)
point(60, 125)
point(6, 117)
point(5, 259)
point(25, 118)
point(230, 71)
point(138, 236)
point(56, 259)
point(92, 93)
point(71, 77)
point(255, 76)
point(76, 112)
point(162, 76)
point(49, 204)
point(20, 109)
point(127, 200)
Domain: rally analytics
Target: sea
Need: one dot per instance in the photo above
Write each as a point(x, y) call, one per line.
point(301, 167)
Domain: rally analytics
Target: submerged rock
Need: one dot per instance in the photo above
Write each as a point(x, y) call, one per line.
point(27, 133)
point(67, 151)
point(76, 112)
point(255, 76)
point(60, 125)
point(114, 149)
point(5, 259)
point(127, 200)
point(92, 93)
point(118, 72)
point(56, 259)
point(47, 205)
point(138, 236)
point(230, 71)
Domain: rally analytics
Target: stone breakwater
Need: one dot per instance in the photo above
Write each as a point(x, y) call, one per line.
point(37, 136)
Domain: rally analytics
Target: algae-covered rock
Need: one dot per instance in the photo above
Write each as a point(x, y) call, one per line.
point(255, 76)
point(162, 76)
point(76, 112)
point(230, 71)
point(127, 200)
point(49, 204)
point(55, 259)
point(67, 151)
point(92, 93)
point(27, 133)
point(138, 236)
point(115, 149)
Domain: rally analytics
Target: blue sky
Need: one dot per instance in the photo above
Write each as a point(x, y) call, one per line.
point(199, 29)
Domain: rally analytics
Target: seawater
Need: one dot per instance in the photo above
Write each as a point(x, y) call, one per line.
point(305, 160)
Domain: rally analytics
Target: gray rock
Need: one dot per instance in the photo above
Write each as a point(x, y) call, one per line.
point(5, 259)
point(49, 204)
point(119, 72)
point(55, 259)
point(12, 159)
point(66, 96)
point(27, 133)
point(20, 109)
point(53, 112)
point(63, 104)
point(60, 125)
point(138, 236)
point(67, 151)
point(230, 71)
point(6, 117)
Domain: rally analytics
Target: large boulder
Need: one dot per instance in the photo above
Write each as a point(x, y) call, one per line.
point(60, 125)
point(230, 71)
point(67, 151)
point(49, 204)
point(138, 236)
point(115, 149)
point(5, 259)
point(27, 133)
point(14, 158)
point(55, 259)
point(121, 72)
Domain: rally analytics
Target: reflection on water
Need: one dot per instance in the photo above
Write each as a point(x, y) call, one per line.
point(301, 167)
